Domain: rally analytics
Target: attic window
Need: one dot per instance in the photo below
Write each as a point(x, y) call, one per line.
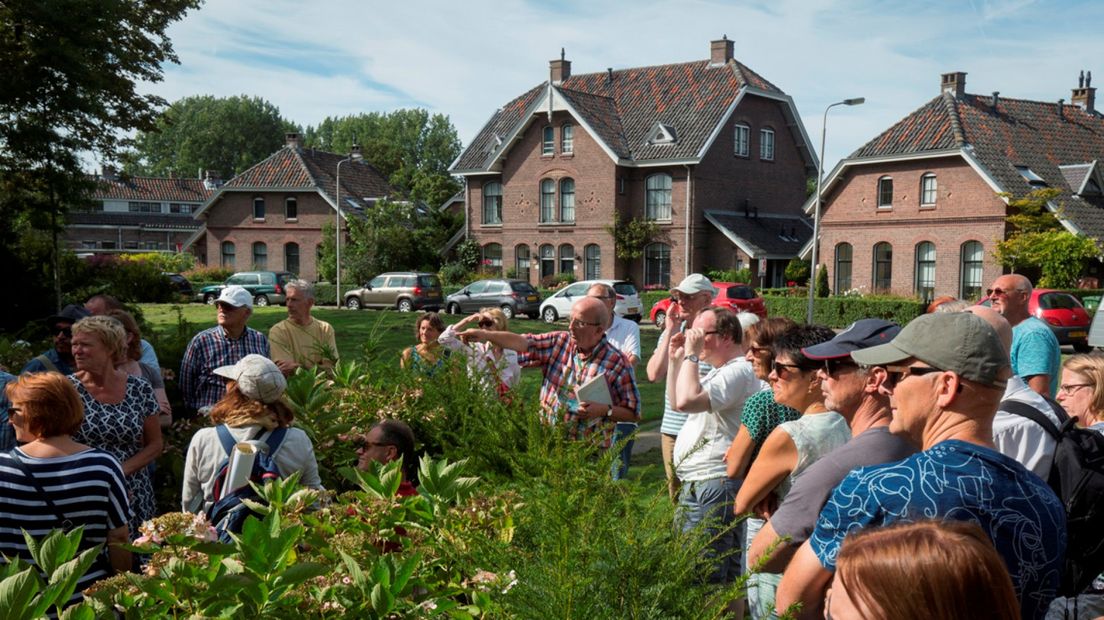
point(1091, 187)
point(662, 134)
point(1029, 175)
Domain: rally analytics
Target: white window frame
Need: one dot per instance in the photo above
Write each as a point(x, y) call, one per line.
point(928, 195)
point(492, 210)
point(567, 139)
point(548, 141)
point(766, 144)
point(742, 140)
point(658, 210)
point(878, 189)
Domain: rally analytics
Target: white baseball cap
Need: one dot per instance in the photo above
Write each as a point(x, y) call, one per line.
point(257, 376)
point(235, 296)
point(694, 283)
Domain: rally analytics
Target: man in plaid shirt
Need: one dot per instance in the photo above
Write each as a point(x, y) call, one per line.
point(570, 359)
point(222, 345)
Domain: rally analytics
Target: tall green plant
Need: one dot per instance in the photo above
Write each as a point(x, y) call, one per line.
point(630, 236)
point(23, 591)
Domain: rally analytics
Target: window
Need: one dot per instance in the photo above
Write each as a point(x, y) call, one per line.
point(88, 245)
point(291, 257)
point(521, 262)
point(144, 207)
point(228, 254)
point(130, 245)
point(107, 245)
point(547, 200)
point(843, 268)
point(567, 258)
point(260, 255)
point(657, 191)
point(567, 200)
point(177, 207)
point(547, 261)
point(492, 203)
point(567, 139)
point(883, 267)
point(766, 144)
point(258, 208)
point(657, 265)
point(970, 277)
point(885, 192)
point(291, 209)
point(492, 258)
point(928, 189)
point(742, 140)
point(548, 143)
point(592, 262)
point(621, 185)
point(925, 270)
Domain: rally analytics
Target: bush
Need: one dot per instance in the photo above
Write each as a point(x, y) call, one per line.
point(842, 311)
point(742, 276)
point(172, 262)
point(130, 281)
point(454, 273)
point(822, 282)
point(207, 274)
point(797, 270)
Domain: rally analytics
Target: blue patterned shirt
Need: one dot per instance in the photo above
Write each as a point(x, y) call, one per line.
point(960, 481)
point(208, 350)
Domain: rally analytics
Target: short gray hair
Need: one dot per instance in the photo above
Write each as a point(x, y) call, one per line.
point(301, 285)
point(607, 290)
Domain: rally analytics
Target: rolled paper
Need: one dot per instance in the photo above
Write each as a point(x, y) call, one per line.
point(241, 467)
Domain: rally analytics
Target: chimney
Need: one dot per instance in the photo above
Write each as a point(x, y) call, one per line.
point(355, 153)
point(1061, 109)
point(293, 139)
point(560, 69)
point(720, 51)
point(211, 179)
point(954, 83)
point(1084, 96)
point(609, 75)
point(996, 99)
point(109, 173)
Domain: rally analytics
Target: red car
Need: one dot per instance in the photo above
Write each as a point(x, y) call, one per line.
point(1063, 313)
point(732, 295)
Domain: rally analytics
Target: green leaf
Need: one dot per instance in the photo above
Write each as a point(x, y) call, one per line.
point(298, 573)
point(17, 591)
point(83, 611)
point(63, 581)
point(355, 573)
point(406, 569)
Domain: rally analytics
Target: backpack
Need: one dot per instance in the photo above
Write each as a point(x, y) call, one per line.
point(1077, 477)
point(229, 512)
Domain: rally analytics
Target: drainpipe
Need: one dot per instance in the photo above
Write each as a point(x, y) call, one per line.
point(688, 238)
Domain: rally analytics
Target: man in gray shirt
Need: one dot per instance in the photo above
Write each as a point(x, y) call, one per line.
point(855, 392)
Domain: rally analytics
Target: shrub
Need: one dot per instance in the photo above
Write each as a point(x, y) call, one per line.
point(797, 270)
point(729, 275)
point(207, 274)
point(173, 262)
point(454, 273)
point(842, 311)
point(130, 281)
point(822, 282)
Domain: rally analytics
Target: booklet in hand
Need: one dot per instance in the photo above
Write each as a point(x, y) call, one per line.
point(596, 390)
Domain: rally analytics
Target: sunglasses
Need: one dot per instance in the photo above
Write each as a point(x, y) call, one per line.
point(896, 374)
point(998, 292)
point(757, 351)
point(486, 323)
point(64, 331)
point(780, 369)
point(833, 366)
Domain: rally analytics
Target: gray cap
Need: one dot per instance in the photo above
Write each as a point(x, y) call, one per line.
point(958, 341)
point(257, 376)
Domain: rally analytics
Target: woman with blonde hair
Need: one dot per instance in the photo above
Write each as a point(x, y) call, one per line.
point(498, 366)
point(252, 410)
point(120, 411)
point(928, 570)
point(134, 367)
point(1081, 391)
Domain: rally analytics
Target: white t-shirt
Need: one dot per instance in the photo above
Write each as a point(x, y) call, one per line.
point(624, 335)
point(1022, 439)
point(706, 436)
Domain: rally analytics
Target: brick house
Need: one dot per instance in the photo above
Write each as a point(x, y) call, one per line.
point(138, 214)
point(916, 210)
point(710, 150)
point(270, 217)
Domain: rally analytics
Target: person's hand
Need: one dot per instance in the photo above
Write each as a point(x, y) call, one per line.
point(695, 341)
point(589, 410)
point(766, 508)
point(469, 319)
point(675, 346)
point(674, 318)
point(287, 367)
point(473, 335)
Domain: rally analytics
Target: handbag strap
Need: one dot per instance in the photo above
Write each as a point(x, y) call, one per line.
point(66, 523)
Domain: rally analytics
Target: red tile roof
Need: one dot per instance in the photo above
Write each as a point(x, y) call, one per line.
point(152, 189)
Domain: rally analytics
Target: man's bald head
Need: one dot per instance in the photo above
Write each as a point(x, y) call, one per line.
point(998, 322)
point(591, 309)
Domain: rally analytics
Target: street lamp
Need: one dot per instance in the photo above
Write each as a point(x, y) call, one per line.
point(354, 155)
point(816, 212)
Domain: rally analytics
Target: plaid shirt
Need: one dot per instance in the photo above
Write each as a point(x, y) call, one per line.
point(565, 368)
point(207, 351)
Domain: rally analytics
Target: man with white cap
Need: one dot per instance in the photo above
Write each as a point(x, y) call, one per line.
point(222, 345)
point(946, 374)
point(690, 297)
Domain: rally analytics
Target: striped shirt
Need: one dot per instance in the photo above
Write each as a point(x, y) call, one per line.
point(673, 420)
point(210, 349)
point(87, 488)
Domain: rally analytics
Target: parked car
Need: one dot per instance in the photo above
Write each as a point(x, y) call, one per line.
point(1064, 314)
point(559, 304)
point(403, 290)
point(180, 284)
point(267, 287)
point(735, 296)
point(513, 296)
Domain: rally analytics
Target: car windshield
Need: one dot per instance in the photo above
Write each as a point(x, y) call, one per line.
point(740, 292)
point(624, 288)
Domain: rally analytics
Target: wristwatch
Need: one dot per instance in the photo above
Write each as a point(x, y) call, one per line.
point(692, 358)
point(609, 412)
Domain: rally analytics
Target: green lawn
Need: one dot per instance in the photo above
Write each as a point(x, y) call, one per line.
point(390, 332)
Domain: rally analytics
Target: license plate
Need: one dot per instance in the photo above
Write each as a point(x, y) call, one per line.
point(531, 298)
point(1078, 334)
point(633, 310)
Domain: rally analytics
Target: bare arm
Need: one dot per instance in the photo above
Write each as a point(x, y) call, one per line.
point(404, 361)
point(674, 363)
point(657, 365)
point(118, 556)
point(778, 559)
point(738, 457)
point(805, 582)
point(690, 396)
point(1040, 383)
point(151, 446)
point(506, 340)
point(776, 460)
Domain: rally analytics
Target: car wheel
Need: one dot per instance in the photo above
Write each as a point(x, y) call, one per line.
point(508, 311)
point(1082, 346)
point(260, 300)
point(454, 308)
point(405, 305)
point(209, 299)
point(549, 315)
point(353, 303)
point(660, 319)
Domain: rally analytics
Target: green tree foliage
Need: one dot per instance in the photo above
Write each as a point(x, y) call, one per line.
point(797, 270)
point(412, 148)
point(822, 281)
point(1038, 241)
point(630, 236)
point(68, 86)
point(225, 134)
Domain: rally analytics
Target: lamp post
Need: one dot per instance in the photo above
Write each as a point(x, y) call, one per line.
point(354, 155)
point(816, 212)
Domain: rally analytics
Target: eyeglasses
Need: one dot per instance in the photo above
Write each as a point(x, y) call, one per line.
point(896, 374)
point(1070, 388)
point(780, 369)
point(710, 332)
point(64, 331)
point(833, 366)
point(581, 323)
point(997, 292)
point(486, 323)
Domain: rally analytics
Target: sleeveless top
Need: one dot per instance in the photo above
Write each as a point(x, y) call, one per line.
point(814, 436)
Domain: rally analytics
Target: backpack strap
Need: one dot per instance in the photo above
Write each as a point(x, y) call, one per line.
point(275, 439)
point(1025, 410)
point(45, 361)
point(228, 441)
point(66, 522)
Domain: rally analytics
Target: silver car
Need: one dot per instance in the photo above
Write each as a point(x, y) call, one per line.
point(559, 304)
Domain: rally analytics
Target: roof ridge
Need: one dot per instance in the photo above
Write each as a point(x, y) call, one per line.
point(297, 152)
point(666, 64)
point(950, 103)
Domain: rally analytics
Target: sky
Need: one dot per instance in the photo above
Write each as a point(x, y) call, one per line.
point(465, 59)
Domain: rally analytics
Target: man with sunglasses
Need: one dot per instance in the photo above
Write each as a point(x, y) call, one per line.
point(1036, 356)
point(59, 358)
point(945, 375)
point(855, 392)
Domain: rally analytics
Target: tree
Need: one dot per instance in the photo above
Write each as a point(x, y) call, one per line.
point(630, 237)
point(225, 134)
point(822, 289)
point(1038, 241)
point(797, 270)
point(411, 148)
point(68, 86)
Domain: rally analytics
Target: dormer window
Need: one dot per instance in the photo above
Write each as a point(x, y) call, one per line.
point(1029, 175)
point(662, 134)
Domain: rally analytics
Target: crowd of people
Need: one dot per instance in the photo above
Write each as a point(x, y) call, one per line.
point(884, 471)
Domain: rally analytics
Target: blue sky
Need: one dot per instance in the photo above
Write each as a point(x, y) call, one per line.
point(465, 59)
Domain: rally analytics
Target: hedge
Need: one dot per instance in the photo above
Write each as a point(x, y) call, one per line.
point(842, 311)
